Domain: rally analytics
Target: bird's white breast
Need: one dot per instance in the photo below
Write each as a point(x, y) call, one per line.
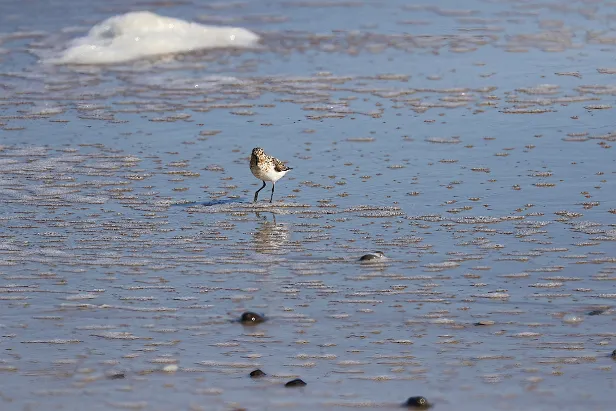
point(268, 175)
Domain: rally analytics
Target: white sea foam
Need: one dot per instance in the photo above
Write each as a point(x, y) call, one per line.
point(137, 35)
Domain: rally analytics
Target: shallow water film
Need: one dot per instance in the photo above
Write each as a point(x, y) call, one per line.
point(470, 143)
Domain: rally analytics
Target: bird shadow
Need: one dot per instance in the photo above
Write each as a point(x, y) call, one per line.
point(223, 202)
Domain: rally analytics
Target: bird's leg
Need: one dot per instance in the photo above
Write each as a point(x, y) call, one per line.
point(272, 196)
point(257, 193)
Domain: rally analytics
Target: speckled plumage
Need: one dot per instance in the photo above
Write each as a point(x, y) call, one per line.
point(266, 168)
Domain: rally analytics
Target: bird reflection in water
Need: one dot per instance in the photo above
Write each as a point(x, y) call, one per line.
point(270, 237)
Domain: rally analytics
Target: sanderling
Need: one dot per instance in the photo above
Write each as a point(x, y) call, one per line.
point(266, 168)
point(375, 255)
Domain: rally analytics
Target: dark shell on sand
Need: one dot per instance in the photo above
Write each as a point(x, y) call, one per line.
point(296, 383)
point(375, 255)
point(257, 374)
point(420, 403)
point(251, 318)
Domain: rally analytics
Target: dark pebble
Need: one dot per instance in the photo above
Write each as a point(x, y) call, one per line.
point(257, 373)
point(484, 323)
point(116, 376)
point(296, 383)
point(418, 402)
point(251, 318)
point(614, 354)
point(596, 312)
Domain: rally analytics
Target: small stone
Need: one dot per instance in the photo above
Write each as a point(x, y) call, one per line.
point(296, 383)
point(484, 322)
point(596, 312)
point(257, 374)
point(251, 318)
point(613, 354)
point(375, 255)
point(420, 403)
point(116, 376)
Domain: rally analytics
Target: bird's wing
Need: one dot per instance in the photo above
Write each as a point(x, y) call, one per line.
point(279, 166)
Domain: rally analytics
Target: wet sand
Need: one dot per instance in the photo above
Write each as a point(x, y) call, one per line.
point(472, 146)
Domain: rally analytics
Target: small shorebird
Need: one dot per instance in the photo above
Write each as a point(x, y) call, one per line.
point(266, 168)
